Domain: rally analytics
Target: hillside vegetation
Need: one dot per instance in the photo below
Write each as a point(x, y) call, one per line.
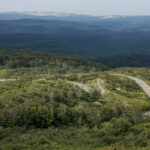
point(44, 107)
point(16, 64)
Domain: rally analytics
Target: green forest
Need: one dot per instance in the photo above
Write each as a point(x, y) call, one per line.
point(55, 102)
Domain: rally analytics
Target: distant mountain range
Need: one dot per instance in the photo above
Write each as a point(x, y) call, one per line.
point(109, 22)
point(94, 37)
point(52, 15)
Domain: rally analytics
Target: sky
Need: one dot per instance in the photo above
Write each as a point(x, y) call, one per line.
point(89, 7)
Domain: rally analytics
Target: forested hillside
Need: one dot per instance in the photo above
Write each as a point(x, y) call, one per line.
point(125, 60)
point(72, 38)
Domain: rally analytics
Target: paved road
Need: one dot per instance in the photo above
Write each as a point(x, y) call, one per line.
point(147, 113)
point(98, 85)
point(142, 84)
point(4, 80)
point(82, 86)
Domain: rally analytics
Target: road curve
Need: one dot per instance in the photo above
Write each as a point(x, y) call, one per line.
point(142, 84)
point(87, 89)
point(81, 86)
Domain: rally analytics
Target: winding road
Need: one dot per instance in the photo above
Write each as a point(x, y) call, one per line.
point(142, 84)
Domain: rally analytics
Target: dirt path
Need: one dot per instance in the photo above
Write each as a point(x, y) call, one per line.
point(142, 84)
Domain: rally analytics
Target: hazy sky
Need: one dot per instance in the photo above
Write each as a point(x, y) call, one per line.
point(92, 7)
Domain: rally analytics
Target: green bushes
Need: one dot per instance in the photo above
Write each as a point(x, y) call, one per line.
point(62, 116)
point(45, 111)
point(45, 103)
point(39, 103)
point(37, 116)
point(105, 125)
point(120, 126)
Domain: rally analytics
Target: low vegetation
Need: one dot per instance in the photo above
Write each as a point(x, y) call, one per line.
point(42, 110)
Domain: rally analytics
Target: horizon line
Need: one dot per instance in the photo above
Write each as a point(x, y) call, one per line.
point(124, 15)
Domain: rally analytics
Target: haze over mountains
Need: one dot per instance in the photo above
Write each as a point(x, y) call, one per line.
point(109, 22)
point(79, 35)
